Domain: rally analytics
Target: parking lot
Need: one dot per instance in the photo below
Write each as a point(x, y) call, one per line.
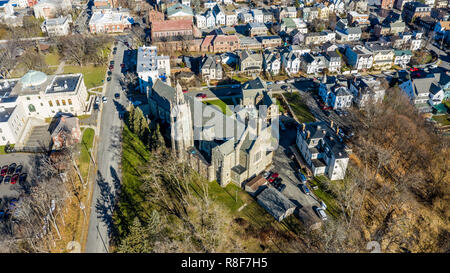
point(10, 191)
point(286, 168)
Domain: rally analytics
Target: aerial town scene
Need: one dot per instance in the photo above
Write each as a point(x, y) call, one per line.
point(224, 126)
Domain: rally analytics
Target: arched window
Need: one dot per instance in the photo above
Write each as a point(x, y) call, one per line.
point(31, 108)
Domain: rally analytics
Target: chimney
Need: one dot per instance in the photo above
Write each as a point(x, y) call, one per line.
point(307, 134)
point(337, 130)
point(303, 127)
point(331, 124)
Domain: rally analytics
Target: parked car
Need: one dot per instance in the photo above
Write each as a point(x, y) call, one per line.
point(284, 87)
point(339, 112)
point(111, 62)
point(327, 113)
point(321, 213)
point(23, 177)
point(14, 178)
point(290, 81)
point(201, 95)
point(108, 79)
point(104, 99)
point(279, 82)
point(281, 187)
point(269, 83)
point(414, 69)
point(7, 179)
point(306, 190)
point(4, 170)
point(117, 95)
point(122, 65)
point(302, 177)
point(111, 67)
point(323, 205)
point(19, 169)
point(272, 177)
point(185, 90)
point(266, 174)
point(277, 182)
point(12, 168)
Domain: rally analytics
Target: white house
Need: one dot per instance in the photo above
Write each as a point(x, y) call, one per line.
point(200, 21)
point(272, 62)
point(366, 89)
point(323, 150)
point(291, 62)
point(150, 66)
point(57, 26)
point(334, 93)
point(219, 15)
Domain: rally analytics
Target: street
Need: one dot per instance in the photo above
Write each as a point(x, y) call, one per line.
point(108, 159)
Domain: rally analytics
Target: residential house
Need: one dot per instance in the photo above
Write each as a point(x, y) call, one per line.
point(255, 29)
point(349, 34)
point(57, 26)
point(250, 62)
point(269, 41)
point(291, 62)
point(299, 49)
point(442, 30)
point(249, 43)
point(258, 16)
point(210, 19)
point(312, 64)
point(387, 4)
point(310, 13)
point(383, 55)
point(211, 68)
point(335, 93)
point(359, 19)
point(65, 132)
point(219, 15)
point(366, 89)
point(49, 8)
point(424, 92)
point(231, 18)
point(220, 43)
point(272, 62)
point(322, 148)
point(267, 16)
point(359, 57)
point(316, 38)
point(245, 17)
point(412, 10)
point(151, 67)
point(402, 57)
point(288, 25)
point(200, 21)
point(333, 61)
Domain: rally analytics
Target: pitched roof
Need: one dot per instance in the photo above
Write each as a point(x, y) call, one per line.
point(171, 25)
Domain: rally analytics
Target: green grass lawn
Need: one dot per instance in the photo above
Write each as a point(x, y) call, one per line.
point(325, 195)
point(86, 145)
point(222, 105)
point(93, 75)
point(52, 59)
point(442, 119)
point(299, 107)
point(134, 154)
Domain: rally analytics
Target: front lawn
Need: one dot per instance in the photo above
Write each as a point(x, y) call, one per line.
point(52, 59)
point(299, 107)
point(325, 195)
point(85, 157)
point(93, 75)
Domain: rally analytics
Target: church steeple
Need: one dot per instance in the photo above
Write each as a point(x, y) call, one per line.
point(179, 97)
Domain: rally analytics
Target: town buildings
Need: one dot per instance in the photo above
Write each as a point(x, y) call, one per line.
point(109, 21)
point(150, 67)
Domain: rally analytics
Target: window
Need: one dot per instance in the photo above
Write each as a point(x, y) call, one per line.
point(64, 102)
point(31, 108)
point(70, 101)
point(28, 98)
point(57, 103)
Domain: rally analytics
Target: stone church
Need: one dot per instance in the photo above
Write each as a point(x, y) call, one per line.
point(226, 147)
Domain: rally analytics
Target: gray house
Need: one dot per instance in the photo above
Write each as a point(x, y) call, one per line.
point(278, 205)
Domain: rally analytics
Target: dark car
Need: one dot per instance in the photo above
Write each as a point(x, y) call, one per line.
point(14, 178)
point(284, 87)
point(127, 44)
point(23, 177)
point(281, 187)
point(108, 79)
point(4, 170)
point(111, 62)
point(12, 168)
point(327, 113)
point(109, 72)
point(122, 65)
point(306, 190)
point(277, 181)
point(201, 95)
point(7, 179)
point(116, 95)
point(111, 67)
point(19, 169)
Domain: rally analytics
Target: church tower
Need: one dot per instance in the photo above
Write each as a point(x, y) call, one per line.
point(181, 124)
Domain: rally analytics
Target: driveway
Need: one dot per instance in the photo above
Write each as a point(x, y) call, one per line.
point(286, 167)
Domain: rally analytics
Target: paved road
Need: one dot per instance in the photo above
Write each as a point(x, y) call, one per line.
point(81, 24)
point(107, 180)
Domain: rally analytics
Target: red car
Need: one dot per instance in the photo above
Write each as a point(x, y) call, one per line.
point(14, 178)
point(272, 177)
point(111, 67)
point(201, 95)
point(122, 65)
point(185, 90)
point(4, 170)
point(414, 69)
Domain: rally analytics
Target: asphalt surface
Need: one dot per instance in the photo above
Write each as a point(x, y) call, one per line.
point(108, 176)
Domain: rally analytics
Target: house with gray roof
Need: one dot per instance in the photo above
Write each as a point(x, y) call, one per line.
point(424, 92)
point(275, 203)
point(211, 68)
point(250, 62)
point(334, 92)
point(323, 150)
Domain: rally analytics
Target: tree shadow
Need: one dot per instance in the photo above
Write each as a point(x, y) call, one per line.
point(105, 205)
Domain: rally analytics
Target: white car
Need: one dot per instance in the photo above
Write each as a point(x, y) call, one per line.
point(321, 213)
point(105, 99)
point(97, 100)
